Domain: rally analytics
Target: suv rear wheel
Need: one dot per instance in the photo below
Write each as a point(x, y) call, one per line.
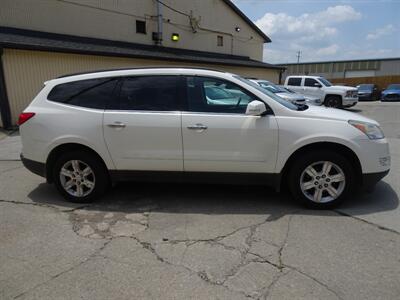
point(333, 101)
point(321, 180)
point(80, 177)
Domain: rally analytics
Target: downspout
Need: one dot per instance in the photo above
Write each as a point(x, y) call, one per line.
point(4, 104)
point(159, 23)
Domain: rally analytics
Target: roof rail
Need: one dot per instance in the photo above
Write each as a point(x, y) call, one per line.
point(137, 68)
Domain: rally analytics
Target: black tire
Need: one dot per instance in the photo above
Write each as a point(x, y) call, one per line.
point(99, 173)
point(333, 101)
point(299, 166)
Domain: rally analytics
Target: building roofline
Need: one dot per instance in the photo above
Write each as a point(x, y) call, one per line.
point(247, 20)
point(338, 61)
point(44, 41)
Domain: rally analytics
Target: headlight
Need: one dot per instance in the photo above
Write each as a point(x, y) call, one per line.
point(371, 130)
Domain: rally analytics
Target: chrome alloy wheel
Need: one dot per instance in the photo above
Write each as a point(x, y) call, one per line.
point(322, 182)
point(77, 178)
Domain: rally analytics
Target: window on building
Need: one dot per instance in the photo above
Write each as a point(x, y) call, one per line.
point(92, 93)
point(140, 26)
point(220, 40)
point(215, 95)
point(151, 93)
point(295, 81)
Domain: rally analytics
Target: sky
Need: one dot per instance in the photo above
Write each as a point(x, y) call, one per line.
point(326, 29)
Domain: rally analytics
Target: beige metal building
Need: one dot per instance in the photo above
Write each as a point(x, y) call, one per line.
point(347, 69)
point(43, 39)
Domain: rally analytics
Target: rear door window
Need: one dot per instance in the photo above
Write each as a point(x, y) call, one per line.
point(91, 93)
point(149, 93)
point(294, 81)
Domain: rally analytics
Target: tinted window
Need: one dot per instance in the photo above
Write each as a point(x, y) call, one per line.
point(294, 81)
point(156, 93)
point(216, 95)
point(92, 93)
point(310, 82)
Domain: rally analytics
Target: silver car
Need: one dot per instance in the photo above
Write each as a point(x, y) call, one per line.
point(309, 100)
point(285, 93)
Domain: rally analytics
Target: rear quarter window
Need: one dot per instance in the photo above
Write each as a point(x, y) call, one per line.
point(91, 93)
point(294, 81)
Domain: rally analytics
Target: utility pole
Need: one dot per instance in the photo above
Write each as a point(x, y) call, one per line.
point(298, 56)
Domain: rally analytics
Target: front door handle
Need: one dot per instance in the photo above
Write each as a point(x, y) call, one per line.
point(197, 127)
point(116, 125)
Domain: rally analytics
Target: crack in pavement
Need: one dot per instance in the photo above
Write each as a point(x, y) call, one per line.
point(280, 264)
point(269, 288)
point(315, 280)
point(201, 274)
point(365, 221)
point(91, 256)
point(218, 240)
point(44, 205)
point(11, 159)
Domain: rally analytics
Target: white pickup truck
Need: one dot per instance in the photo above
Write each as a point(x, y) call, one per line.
point(314, 86)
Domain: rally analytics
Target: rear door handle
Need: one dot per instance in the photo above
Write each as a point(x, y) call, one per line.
point(197, 127)
point(117, 125)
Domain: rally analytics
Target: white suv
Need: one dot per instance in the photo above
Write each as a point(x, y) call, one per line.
point(315, 86)
point(84, 131)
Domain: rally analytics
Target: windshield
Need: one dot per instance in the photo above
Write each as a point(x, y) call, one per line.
point(394, 87)
point(365, 87)
point(324, 81)
point(268, 93)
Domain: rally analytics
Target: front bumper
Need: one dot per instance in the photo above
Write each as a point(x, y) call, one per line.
point(371, 179)
point(374, 155)
point(364, 97)
point(390, 97)
point(350, 101)
point(35, 167)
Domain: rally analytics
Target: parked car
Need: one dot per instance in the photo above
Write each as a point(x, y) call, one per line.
point(392, 93)
point(368, 92)
point(292, 97)
point(309, 100)
point(84, 131)
point(315, 86)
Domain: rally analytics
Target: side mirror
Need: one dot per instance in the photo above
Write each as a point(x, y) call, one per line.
point(316, 84)
point(256, 108)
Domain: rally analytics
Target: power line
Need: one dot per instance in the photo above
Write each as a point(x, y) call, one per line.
point(173, 9)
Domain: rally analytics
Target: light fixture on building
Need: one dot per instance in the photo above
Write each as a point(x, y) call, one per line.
point(175, 37)
point(237, 29)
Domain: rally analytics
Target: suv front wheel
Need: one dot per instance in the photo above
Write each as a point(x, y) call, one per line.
point(321, 180)
point(80, 177)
